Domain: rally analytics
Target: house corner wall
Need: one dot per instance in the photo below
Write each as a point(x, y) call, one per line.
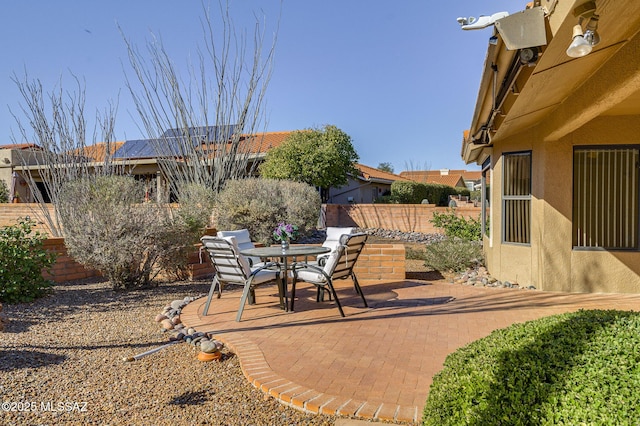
point(550, 263)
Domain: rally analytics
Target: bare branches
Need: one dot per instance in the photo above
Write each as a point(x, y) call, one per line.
point(200, 125)
point(60, 154)
point(203, 124)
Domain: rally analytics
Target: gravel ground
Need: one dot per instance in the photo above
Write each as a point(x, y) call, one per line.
point(61, 362)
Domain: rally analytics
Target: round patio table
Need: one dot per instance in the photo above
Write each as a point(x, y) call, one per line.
point(277, 252)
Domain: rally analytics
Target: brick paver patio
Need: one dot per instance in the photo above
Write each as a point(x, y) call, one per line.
point(377, 362)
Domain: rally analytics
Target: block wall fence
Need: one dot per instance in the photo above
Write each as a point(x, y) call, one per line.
point(65, 268)
point(10, 213)
point(377, 261)
point(401, 217)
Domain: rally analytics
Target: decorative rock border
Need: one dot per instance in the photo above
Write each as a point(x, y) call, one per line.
point(480, 277)
point(209, 348)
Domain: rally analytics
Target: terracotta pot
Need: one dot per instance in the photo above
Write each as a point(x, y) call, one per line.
point(205, 357)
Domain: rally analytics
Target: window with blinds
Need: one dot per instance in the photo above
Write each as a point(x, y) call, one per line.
point(516, 198)
point(486, 196)
point(605, 197)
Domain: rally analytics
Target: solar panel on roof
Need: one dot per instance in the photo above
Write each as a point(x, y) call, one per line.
point(148, 148)
point(210, 133)
point(169, 144)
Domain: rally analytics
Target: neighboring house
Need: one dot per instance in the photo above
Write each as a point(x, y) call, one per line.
point(560, 136)
point(12, 157)
point(142, 158)
point(145, 155)
point(456, 178)
point(139, 157)
point(366, 188)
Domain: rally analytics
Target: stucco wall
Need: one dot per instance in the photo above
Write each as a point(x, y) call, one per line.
point(550, 262)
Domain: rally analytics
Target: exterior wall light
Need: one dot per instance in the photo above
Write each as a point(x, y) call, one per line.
point(579, 47)
point(582, 42)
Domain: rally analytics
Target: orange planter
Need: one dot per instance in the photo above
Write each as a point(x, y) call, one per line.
point(206, 357)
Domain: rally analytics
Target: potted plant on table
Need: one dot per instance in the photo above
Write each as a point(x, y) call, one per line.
point(285, 232)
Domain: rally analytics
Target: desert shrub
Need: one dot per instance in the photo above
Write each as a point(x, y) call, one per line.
point(453, 255)
point(4, 192)
point(191, 217)
point(414, 253)
point(260, 204)
point(302, 205)
point(578, 368)
point(22, 260)
point(107, 228)
point(195, 205)
point(406, 192)
point(455, 226)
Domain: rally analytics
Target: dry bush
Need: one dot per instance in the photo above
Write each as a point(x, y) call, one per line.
point(107, 228)
point(453, 255)
point(190, 219)
point(195, 207)
point(4, 192)
point(260, 204)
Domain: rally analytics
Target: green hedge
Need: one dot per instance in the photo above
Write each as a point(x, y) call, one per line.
point(439, 194)
point(405, 192)
point(576, 368)
point(463, 192)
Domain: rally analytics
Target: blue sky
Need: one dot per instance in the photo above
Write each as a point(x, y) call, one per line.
point(401, 78)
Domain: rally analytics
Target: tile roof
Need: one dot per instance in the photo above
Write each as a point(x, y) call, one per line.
point(369, 173)
point(98, 151)
point(19, 146)
point(263, 142)
point(450, 180)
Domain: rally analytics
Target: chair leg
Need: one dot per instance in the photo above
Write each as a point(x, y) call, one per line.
point(335, 296)
point(293, 291)
point(359, 289)
point(282, 292)
point(215, 283)
point(320, 295)
point(243, 300)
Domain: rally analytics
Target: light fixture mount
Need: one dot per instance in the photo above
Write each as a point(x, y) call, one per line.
point(585, 10)
point(583, 40)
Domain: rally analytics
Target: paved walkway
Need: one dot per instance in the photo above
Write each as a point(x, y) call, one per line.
point(377, 362)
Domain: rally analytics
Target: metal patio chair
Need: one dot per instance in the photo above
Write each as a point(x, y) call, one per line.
point(233, 268)
point(332, 240)
point(339, 265)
